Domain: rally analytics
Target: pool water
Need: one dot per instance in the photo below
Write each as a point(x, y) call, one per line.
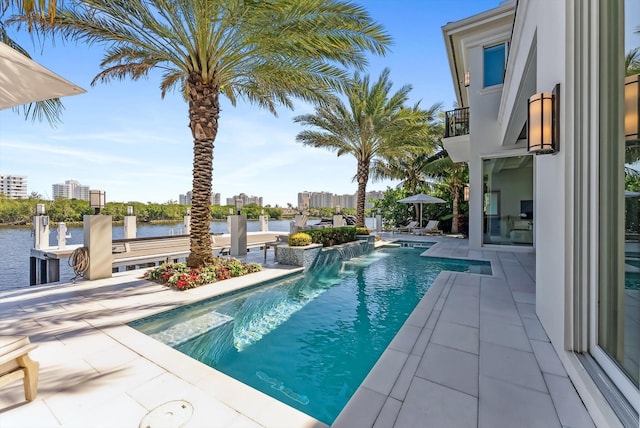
point(308, 340)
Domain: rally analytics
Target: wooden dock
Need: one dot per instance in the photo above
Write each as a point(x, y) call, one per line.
point(142, 252)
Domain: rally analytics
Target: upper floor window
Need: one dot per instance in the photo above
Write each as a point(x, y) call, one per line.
point(494, 62)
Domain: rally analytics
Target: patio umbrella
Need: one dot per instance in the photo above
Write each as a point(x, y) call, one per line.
point(24, 81)
point(421, 198)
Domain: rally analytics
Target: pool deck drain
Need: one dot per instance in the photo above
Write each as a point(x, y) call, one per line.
point(473, 345)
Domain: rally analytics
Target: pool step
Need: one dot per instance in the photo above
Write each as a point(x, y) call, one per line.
point(187, 330)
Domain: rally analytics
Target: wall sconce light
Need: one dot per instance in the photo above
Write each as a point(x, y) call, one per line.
point(239, 204)
point(543, 124)
point(129, 210)
point(466, 193)
point(40, 209)
point(467, 79)
point(97, 200)
point(631, 108)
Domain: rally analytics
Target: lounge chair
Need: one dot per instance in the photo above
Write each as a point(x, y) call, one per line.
point(15, 364)
point(408, 228)
point(430, 229)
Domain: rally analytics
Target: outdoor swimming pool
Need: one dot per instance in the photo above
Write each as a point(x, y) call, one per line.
point(308, 340)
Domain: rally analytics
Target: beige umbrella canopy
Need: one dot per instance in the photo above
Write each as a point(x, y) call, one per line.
point(421, 198)
point(23, 81)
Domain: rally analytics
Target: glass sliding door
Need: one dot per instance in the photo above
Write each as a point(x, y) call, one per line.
point(618, 299)
point(508, 201)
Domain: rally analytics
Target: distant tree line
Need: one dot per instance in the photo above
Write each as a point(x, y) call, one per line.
point(21, 211)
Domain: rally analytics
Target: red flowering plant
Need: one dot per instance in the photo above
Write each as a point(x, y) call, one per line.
point(181, 277)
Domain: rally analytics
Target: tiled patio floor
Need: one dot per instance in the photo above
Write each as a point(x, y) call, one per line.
point(472, 354)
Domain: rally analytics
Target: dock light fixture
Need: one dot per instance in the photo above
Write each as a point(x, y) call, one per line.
point(632, 108)
point(129, 210)
point(466, 193)
point(543, 124)
point(188, 211)
point(239, 205)
point(338, 209)
point(97, 200)
point(40, 209)
point(467, 79)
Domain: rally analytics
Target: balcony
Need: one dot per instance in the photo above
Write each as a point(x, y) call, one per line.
point(456, 134)
point(457, 122)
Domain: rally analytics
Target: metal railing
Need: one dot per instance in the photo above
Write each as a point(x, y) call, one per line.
point(457, 122)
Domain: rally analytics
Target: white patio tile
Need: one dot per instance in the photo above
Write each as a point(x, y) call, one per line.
point(430, 404)
point(462, 310)
point(547, 358)
point(450, 367)
point(524, 297)
point(406, 338)
point(511, 365)
point(362, 410)
point(388, 414)
point(34, 414)
point(385, 372)
point(403, 382)
point(505, 405)
point(456, 336)
point(526, 310)
point(502, 333)
point(534, 329)
point(570, 408)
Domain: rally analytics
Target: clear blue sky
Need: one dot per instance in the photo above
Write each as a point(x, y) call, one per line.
point(123, 138)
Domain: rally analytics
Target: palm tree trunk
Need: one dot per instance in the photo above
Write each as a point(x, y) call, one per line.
point(204, 110)
point(454, 208)
point(363, 177)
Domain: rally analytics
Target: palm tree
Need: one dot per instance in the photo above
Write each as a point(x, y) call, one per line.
point(452, 175)
point(374, 125)
point(267, 52)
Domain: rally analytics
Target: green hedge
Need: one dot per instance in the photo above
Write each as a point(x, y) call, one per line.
point(332, 235)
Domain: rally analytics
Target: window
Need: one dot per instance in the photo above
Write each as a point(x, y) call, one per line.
point(494, 62)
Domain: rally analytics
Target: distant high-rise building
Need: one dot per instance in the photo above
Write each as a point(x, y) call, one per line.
point(321, 200)
point(245, 199)
point(215, 199)
point(303, 200)
point(71, 189)
point(13, 186)
point(185, 199)
point(329, 200)
point(344, 201)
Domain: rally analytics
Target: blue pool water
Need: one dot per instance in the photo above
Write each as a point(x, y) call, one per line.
point(308, 340)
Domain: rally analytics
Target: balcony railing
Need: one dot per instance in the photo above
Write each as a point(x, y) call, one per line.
point(457, 122)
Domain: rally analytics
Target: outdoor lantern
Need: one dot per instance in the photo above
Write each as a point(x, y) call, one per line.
point(465, 193)
point(188, 211)
point(238, 205)
point(230, 211)
point(543, 122)
point(97, 200)
point(338, 209)
point(129, 210)
point(40, 209)
point(467, 79)
point(631, 104)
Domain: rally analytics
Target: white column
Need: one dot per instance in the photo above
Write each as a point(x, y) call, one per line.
point(264, 223)
point(130, 227)
point(238, 235)
point(41, 231)
point(62, 235)
point(97, 238)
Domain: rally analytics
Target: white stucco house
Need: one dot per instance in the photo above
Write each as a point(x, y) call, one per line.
point(574, 201)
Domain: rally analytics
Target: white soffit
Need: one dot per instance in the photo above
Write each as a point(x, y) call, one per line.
point(23, 81)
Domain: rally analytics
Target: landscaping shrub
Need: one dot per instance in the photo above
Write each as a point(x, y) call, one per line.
point(181, 277)
point(362, 231)
point(299, 239)
point(333, 235)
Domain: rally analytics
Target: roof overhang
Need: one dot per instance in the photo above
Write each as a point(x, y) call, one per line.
point(23, 81)
point(459, 35)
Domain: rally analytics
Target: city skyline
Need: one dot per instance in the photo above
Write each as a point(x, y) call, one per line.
point(123, 138)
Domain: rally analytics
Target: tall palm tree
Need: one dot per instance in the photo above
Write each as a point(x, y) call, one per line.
point(267, 52)
point(374, 124)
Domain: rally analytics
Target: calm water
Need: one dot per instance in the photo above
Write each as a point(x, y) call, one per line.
point(308, 340)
